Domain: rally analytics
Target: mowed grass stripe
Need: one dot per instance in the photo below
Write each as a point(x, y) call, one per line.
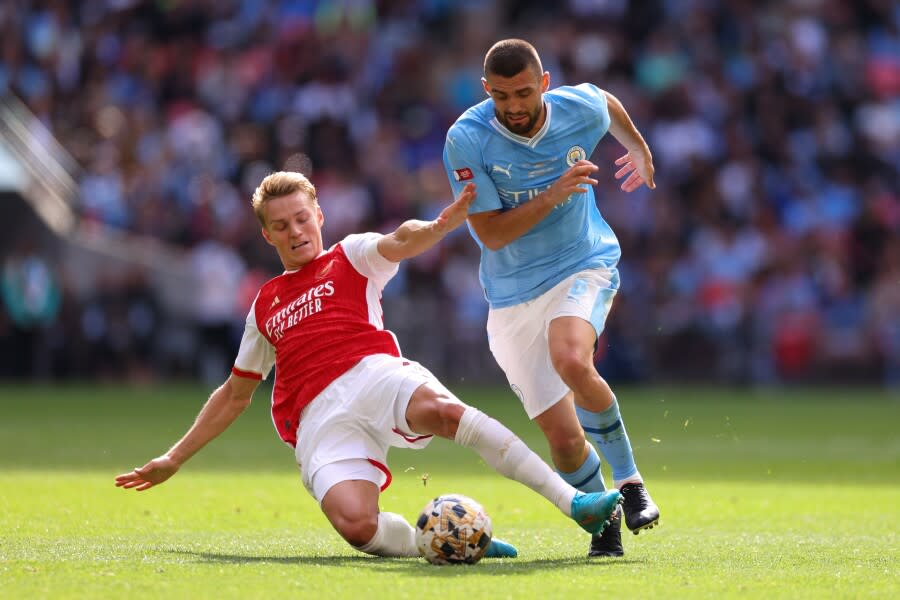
point(791, 494)
point(714, 539)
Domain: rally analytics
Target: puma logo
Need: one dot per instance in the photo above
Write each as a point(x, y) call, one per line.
point(500, 169)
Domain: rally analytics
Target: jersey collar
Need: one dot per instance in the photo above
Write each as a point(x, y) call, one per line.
point(321, 254)
point(521, 139)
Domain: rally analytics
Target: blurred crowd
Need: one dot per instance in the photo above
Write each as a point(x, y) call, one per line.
point(768, 252)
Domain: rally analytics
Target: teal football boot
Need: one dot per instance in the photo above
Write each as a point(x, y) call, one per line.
point(593, 511)
point(500, 549)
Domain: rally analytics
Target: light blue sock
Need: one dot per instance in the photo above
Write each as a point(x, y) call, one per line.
point(608, 431)
point(586, 478)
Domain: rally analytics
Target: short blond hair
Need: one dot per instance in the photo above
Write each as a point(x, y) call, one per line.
point(276, 185)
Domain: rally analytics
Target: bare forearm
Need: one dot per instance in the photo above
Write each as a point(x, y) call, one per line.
point(415, 237)
point(507, 226)
point(220, 411)
point(497, 229)
point(410, 239)
point(622, 128)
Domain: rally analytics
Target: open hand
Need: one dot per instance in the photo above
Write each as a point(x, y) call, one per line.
point(454, 215)
point(640, 165)
point(153, 473)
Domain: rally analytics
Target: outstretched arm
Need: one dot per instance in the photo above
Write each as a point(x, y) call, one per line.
point(415, 237)
point(497, 228)
point(220, 411)
point(638, 161)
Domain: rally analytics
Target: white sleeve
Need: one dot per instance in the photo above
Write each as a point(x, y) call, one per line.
point(362, 251)
point(256, 355)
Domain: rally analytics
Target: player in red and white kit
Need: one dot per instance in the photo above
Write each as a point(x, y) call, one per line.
point(343, 393)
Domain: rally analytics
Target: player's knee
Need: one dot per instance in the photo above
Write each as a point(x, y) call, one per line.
point(434, 411)
point(358, 530)
point(571, 366)
point(449, 412)
point(566, 443)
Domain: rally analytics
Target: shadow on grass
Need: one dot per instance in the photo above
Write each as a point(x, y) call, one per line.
point(411, 565)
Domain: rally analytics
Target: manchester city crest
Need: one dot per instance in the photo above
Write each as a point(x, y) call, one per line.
point(575, 154)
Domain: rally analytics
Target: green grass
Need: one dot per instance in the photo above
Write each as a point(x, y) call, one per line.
point(783, 493)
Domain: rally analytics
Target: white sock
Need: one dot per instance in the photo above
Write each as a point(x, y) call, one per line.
point(509, 456)
point(636, 478)
point(394, 538)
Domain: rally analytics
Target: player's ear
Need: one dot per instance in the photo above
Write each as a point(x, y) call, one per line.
point(265, 235)
point(320, 216)
point(545, 81)
point(487, 88)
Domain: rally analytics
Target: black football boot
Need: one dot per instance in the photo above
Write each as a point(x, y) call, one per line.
point(640, 510)
point(609, 541)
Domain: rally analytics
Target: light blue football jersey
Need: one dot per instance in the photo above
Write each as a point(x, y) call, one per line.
point(510, 169)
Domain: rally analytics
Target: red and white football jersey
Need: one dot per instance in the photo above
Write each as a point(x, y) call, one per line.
point(315, 323)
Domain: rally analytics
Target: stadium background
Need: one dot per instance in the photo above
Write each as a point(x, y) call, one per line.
point(768, 253)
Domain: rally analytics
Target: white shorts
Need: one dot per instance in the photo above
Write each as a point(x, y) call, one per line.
point(356, 419)
point(518, 334)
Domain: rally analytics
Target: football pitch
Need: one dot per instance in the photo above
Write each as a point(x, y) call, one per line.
point(776, 493)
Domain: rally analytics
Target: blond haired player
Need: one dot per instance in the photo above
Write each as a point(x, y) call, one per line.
point(343, 393)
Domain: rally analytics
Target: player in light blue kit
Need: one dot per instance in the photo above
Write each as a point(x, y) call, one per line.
point(548, 259)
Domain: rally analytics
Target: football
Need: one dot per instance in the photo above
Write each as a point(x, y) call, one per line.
point(453, 529)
